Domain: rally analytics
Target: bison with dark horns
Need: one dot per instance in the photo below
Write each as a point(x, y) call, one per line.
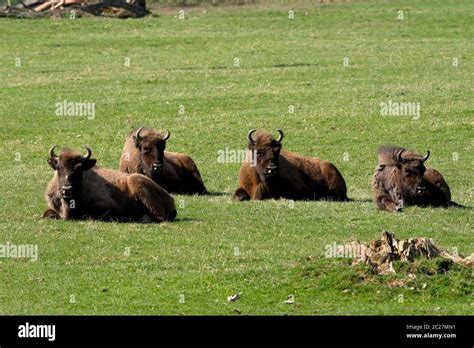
point(401, 179)
point(144, 153)
point(270, 172)
point(80, 190)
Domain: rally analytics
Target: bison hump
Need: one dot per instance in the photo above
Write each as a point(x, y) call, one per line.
point(387, 155)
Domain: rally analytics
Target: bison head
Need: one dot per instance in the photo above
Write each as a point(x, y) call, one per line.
point(151, 146)
point(70, 165)
point(412, 170)
point(267, 151)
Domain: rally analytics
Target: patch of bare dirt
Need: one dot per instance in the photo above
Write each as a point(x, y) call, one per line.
point(380, 253)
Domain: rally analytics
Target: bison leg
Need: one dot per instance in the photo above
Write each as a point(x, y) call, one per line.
point(51, 214)
point(259, 193)
point(385, 202)
point(241, 195)
point(145, 219)
point(381, 197)
point(262, 193)
point(156, 200)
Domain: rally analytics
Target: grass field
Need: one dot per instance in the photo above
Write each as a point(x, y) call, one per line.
point(209, 78)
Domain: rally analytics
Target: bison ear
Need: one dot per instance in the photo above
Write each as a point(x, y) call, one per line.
point(53, 162)
point(88, 164)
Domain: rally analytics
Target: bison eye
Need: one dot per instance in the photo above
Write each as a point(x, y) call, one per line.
point(147, 149)
point(259, 153)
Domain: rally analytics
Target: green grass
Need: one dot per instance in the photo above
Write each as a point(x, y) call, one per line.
point(283, 62)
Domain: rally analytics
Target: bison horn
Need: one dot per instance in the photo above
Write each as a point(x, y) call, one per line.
point(51, 152)
point(249, 136)
point(426, 156)
point(280, 137)
point(166, 135)
point(89, 153)
point(399, 155)
point(137, 134)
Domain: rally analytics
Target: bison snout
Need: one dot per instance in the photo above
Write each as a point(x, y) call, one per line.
point(156, 167)
point(66, 191)
point(420, 190)
point(270, 170)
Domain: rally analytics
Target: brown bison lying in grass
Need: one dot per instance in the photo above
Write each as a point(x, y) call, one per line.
point(270, 172)
point(401, 179)
point(80, 189)
point(144, 153)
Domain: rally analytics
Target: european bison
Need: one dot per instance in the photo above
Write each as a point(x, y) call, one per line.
point(270, 172)
point(144, 153)
point(80, 189)
point(401, 179)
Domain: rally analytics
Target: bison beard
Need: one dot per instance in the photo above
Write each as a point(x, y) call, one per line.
point(401, 179)
point(80, 190)
point(282, 174)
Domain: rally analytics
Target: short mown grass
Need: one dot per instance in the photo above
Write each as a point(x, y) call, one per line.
point(209, 78)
